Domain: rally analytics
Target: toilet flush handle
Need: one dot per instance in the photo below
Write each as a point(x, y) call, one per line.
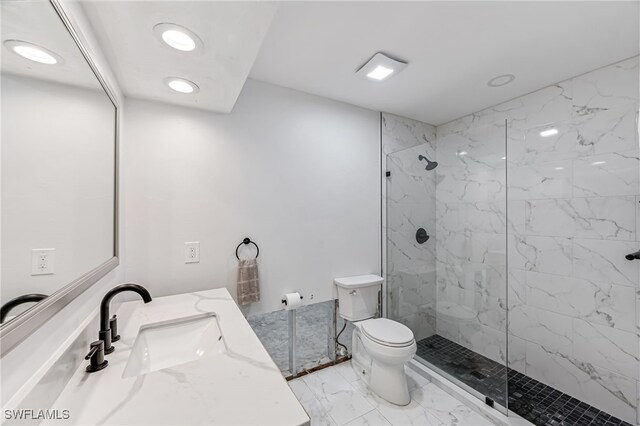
point(353, 292)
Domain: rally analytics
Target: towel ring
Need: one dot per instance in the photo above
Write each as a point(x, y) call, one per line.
point(246, 240)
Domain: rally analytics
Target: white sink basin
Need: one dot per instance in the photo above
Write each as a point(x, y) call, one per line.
point(174, 342)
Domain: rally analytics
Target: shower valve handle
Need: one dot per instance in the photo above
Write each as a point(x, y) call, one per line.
point(633, 256)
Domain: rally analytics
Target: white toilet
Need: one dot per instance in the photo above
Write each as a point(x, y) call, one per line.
point(380, 346)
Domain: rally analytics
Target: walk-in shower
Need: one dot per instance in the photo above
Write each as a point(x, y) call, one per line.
point(524, 295)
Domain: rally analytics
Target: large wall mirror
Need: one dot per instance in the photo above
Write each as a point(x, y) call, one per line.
point(58, 168)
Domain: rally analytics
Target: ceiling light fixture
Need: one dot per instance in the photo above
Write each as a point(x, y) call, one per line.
point(548, 132)
point(380, 73)
point(181, 85)
point(33, 52)
point(501, 80)
point(380, 67)
point(178, 37)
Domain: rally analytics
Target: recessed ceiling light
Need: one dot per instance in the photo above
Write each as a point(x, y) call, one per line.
point(33, 52)
point(501, 80)
point(548, 132)
point(503, 158)
point(181, 85)
point(178, 37)
point(598, 163)
point(380, 68)
point(559, 168)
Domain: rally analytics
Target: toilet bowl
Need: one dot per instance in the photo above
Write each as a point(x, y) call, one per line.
point(380, 346)
point(380, 349)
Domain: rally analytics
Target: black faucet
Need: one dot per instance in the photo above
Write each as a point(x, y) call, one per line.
point(107, 332)
point(25, 298)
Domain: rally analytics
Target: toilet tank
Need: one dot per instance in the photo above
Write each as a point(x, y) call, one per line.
point(358, 296)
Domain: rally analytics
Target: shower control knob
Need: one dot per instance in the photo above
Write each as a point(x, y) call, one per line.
point(422, 236)
point(633, 256)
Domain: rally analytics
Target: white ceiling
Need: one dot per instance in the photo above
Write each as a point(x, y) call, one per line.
point(453, 49)
point(38, 23)
point(232, 33)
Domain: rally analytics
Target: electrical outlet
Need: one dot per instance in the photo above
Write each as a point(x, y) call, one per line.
point(192, 252)
point(42, 261)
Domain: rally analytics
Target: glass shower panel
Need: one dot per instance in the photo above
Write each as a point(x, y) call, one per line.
point(573, 188)
point(411, 265)
point(451, 289)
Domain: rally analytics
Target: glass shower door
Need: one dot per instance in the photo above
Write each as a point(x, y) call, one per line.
point(451, 288)
point(573, 301)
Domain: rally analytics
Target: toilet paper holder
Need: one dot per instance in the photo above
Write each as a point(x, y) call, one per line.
point(284, 301)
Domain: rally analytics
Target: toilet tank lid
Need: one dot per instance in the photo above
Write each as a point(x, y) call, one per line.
point(358, 281)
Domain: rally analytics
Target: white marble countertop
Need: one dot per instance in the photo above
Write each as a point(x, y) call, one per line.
point(240, 387)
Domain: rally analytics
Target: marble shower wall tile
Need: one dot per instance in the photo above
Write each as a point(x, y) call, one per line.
point(604, 261)
point(601, 132)
point(545, 328)
point(553, 255)
point(409, 194)
point(601, 303)
point(606, 346)
point(399, 133)
point(480, 217)
point(612, 87)
point(606, 88)
point(592, 384)
point(409, 181)
point(602, 175)
point(603, 218)
point(487, 341)
point(553, 179)
point(573, 214)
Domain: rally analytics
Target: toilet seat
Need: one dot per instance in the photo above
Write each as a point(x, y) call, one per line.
point(387, 332)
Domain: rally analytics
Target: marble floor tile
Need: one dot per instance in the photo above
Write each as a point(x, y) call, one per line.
point(340, 400)
point(446, 408)
point(330, 399)
point(317, 413)
point(362, 388)
point(372, 418)
point(301, 390)
point(411, 414)
point(345, 369)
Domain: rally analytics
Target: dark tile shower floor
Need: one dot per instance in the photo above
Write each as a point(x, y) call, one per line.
point(540, 404)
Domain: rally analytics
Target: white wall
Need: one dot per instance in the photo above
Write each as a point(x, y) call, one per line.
point(298, 174)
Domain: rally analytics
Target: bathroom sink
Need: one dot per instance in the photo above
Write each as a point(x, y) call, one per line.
point(173, 342)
